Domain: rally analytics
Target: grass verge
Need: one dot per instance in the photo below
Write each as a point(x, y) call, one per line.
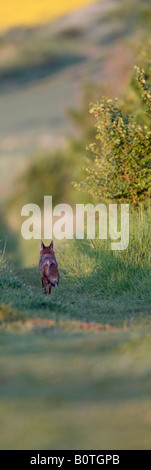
point(75, 366)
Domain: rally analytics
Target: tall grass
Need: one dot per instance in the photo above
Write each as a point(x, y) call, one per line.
point(96, 283)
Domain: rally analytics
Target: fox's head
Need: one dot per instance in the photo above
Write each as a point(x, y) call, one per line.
point(47, 249)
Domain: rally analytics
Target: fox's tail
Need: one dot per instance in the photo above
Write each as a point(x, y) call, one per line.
point(52, 273)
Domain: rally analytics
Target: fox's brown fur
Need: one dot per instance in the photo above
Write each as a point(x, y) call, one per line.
point(48, 267)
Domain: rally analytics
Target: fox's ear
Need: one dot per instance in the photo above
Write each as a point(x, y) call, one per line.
point(42, 246)
point(52, 245)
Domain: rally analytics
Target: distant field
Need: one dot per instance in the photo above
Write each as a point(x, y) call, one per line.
point(30, 12)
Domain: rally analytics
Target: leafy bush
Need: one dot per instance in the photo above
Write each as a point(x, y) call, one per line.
point(120, 168)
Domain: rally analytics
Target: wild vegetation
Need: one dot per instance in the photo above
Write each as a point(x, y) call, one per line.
point(120, 167)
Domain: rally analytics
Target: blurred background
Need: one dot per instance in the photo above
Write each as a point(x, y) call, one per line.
point(54, 61)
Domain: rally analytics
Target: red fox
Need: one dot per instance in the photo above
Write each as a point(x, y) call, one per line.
point(48, 267)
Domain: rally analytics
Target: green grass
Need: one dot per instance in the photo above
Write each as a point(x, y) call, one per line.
point(75, 366)
point(75, 391)
point(96, 284)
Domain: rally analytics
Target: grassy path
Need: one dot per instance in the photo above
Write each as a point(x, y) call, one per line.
point(75, 367)
point(63, 390)
point(77, 301)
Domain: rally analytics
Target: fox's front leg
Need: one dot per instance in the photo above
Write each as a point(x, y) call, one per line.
point(43, 285)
